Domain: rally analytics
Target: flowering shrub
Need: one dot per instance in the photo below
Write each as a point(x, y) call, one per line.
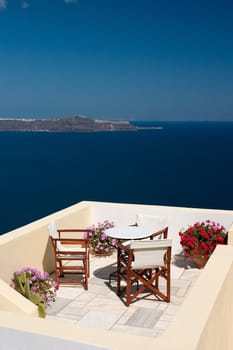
point(98, 240)
point(202, 238)
point(38, 287)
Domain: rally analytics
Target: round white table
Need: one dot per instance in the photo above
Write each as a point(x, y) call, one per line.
point(127, 232)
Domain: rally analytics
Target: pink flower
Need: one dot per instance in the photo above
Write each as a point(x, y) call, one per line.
point(103, 236)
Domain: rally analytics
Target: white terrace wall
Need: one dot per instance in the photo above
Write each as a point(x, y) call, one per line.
point(125, 214)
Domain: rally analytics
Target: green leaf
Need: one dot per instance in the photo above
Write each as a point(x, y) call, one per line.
point(35, 298)
point(41, 311)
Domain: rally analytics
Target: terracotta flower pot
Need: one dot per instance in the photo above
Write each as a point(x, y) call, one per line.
point(200, 260)
point(99, 253)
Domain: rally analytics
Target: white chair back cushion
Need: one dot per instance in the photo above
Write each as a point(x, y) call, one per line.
point(151, 223)
point(54, 234)
point(149, 254)
point(53, 230)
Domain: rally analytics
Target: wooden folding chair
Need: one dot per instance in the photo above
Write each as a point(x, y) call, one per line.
point(143, 263)
point(71, 256)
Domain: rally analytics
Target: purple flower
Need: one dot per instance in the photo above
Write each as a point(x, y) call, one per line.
point(113, 242)
point(103, 236)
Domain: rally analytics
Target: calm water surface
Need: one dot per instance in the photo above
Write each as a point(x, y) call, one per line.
point(183, 164)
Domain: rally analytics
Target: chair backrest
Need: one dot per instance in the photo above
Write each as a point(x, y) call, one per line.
point(54, 234)
point(151, 223)
point(149, 254)
point(53, 230)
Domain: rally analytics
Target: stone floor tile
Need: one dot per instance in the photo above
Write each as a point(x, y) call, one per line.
point(174, 290)
point(58, 305)
point(149, 303)
point(181, 292)
point(177, 300)
point(176, 271)
point(145, 318)
point(99, 319)
point(172, 309)
point(163, 325)
point(126, 315)
point(191, 274)
point(104, 304)
point(69, 292)
point(73, 311)
point(86, 296)
point(163, 306)
point(166, 317)
point(99, 289)
point(180, 283)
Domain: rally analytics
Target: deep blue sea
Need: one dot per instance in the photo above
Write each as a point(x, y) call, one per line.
point(183, 164)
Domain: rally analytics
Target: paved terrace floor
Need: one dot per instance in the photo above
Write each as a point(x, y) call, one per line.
point(100, 307)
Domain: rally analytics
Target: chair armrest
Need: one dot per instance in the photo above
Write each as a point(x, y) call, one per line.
point(72, 240)
point(163, 232)
point(70, 230)
point(123, 247)
point(73, 230)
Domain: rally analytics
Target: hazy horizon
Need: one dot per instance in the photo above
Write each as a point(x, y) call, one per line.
point(123, 120)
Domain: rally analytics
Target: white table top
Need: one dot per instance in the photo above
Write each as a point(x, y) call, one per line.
point(127, 232)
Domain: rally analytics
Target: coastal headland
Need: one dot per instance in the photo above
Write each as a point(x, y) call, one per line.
point(65, 124)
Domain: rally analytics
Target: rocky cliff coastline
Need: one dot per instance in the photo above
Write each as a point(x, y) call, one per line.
point(66, 124)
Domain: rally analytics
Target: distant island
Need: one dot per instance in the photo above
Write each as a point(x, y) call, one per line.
point(65, 124)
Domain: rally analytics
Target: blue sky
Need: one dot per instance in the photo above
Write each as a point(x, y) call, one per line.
point(117, 59)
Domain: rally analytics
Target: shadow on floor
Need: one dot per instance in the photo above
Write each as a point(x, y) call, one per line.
point(183, 261)
point(105, 272)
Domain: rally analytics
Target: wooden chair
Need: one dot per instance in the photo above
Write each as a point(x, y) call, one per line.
point(71, 256)
point(143, 263)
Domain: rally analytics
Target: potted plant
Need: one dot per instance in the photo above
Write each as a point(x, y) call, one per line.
point(200, 240)
point(38, 287)
point(100, 243)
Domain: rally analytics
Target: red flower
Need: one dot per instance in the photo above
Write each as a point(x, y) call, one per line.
point(203, 245)
point(202, 237)
point(220, 239)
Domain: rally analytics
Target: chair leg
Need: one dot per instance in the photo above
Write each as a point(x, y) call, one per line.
point(168, 287)
point(88, 265)
point(128, 289)
point(61, 273)
point(86, 274)
point(57, 278)
point(118, 273)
